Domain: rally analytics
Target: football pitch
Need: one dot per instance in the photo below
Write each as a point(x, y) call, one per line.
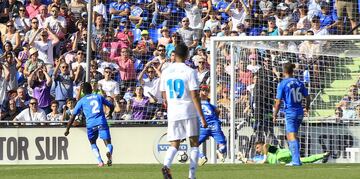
point(225, 171)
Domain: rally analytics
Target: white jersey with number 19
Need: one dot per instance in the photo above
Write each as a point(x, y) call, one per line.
point(177, 80)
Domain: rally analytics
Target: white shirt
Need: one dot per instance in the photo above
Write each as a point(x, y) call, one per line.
point(153, 87)
point(110, 87)
point(101, 9)
point(213, 25)
point(193, 12)
point(76, 64)
point(56, 117)
point(28, 115)
point(20, 25)
point(46, 53)
point(237, 18)
point(53, 23)
point(178, 80)
point(3, 85)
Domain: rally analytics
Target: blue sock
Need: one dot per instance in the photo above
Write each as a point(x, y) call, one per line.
point(110, 148)
point(222, 149)
point(295, 151)
point(95, 150)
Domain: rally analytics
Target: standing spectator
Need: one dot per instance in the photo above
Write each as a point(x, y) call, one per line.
point(193, 16)
point(33, 113)
point(76, 7)
point(33, 8)
point(138, 105)
point(175, 40)
point(328, 19)
point(80, 41)
point(161, 13)
point(40, 81)
point(304, 21)
point(283, 17)
point(238, 14)
point(22, 23)
point(45, 46)
point(56, 23)
point(32, 32)
point(127, 69)
point(316, 28)
point(202, 72)
point(188, 35)
point(145, 46)
point(12, 35)
point(4, 80)
point(100, 8)
point(206, 39)
point(265, 7)
point(12, 63)
point(351, 7)
point(14, 7)
point(54, 115)
point(110, 87)
point(33, 62)
point(212, 24)
point(42, 16)
point(63, 82)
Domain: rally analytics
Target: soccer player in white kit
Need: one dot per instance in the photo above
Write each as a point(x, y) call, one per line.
point(179, 86)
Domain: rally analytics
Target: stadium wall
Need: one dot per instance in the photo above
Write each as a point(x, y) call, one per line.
point(146, 144)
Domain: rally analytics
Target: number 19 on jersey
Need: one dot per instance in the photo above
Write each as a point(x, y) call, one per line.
point(176, 88)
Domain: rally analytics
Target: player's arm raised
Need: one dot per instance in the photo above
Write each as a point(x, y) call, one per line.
point(196, 99)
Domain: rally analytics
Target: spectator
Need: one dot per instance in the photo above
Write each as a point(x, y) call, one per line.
point(55, 23)
point(348, 112)
point(31, 114)
point(54, 115)
point(120, 111)
point(63, 82)
point(76, 7)
point(14, 7)
point(161, 13)
point(338, 114)
point(265, 7)
point(100, 9)
point(188, 35)
point(110, 87)
point(193, 16)
point(145, 46)
point(94, 73)
point(54, 3)
point(272, 30)
point(314, 8)
point(33, 8)
point(12, 36)
point(42, 16)
point(80, 41)
point(4, 80)
point(45, 46)
point(328, 19)
point(202, 72)
point(10, 113)
point(165, 39)
point(125, 35)
point(351, 11)
point(316, 28)
point(119, 9)
point(175, 40)
point(353, 94)
point(139, 14)
point(67, 112)
point(98, 30)
point(357, 108)
point(21, 22)
point(283, 17)
point(33, 62)
point(212, 24)
point(127, 70)
point(304, 22)
point(238, 14)
point(32, 32)
point(245, 76)
point(225, 30)
point(206, 39)
point(12, 63)
point(138, 105)
point(40, 81)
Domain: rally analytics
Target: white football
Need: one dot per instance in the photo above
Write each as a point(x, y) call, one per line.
point(182, 156)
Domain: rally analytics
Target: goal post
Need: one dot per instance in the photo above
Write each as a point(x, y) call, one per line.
point(245, 71)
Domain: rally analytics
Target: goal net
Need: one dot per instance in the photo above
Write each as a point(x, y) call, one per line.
point(245, 74)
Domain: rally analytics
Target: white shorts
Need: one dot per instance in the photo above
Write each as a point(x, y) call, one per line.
point(182, 129)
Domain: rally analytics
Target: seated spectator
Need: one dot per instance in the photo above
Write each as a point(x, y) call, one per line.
point(94, 73)
point(328, 19)
point(139, 15)
point(283, 17)
point(10, 112)
point(203, 72)
point(119, 9)
point(31, 114)
point(40, 81)
point(33, 8)
point(138, 105)
point(165, 38)
point(338, 114)
point(354, 97)
point(205, 41)
point(221, 7)
point(54, 3)
point(238, 13)
point(348, 112)
point(272, 30)
point(12, 36)
point(110, 87)
point(145, 46)
point(54, 115)
point(22, 98)
point(42, 16)
point(67, 111)
point(314, 8)
point(245, 76)
point(32, 32)
point(351, 13)
point(161, 13)
point(225, 30)
point(316, 28)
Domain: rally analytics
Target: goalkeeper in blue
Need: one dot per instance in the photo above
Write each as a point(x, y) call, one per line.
point(213, 129)
point(291, 91)
point(96, 124)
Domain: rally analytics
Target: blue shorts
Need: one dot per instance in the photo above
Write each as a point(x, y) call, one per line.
point(293, 122)
point(213, 130)
point(94, 132)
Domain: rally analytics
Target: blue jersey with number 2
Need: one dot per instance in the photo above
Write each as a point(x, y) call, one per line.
point(292, 91)
point(92, 106)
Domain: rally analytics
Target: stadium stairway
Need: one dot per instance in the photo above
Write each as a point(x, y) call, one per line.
point(337, 82)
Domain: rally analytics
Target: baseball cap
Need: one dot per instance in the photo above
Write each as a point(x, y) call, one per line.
point(144, 32)
point(204, 87)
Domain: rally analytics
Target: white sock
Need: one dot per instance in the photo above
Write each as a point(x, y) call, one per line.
point(194, 157)
point(169, 156)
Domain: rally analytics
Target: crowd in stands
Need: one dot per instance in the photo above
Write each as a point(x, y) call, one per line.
point(43, 50)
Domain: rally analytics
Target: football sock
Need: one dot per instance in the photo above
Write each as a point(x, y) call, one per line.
point(312, 158)
point(95, 150)
point(169, 156)
point(222, 149)
point(194, 157)
point(110, 148)
point(295, 151)
point(201, 154)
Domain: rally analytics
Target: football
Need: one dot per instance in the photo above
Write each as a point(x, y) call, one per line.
point(182, 157)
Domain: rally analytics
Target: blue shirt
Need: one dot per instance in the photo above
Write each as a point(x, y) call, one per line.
point(119, 7)
point(291, 91)
point(92, 106)
point(209, 111)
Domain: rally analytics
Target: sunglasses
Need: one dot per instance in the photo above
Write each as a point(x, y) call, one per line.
point(107, 71)
point(44, 35)
point(151, 71)
point(185, 21)
point(54, 11)
point(201, 62)
point(64, 67)
point(35, 22)
point(9, 25)
point(21, 10)
point(161, 50)
point(33, 103)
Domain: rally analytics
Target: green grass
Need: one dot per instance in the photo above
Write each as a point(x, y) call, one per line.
point(225, 171)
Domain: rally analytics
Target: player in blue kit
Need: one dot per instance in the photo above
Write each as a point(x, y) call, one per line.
point(292, 91)
point(213, 129)
point(96, 124)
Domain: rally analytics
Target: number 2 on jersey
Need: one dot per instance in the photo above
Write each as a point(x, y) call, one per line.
point(176, 86)
point(296, 94)
point(95, 106)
